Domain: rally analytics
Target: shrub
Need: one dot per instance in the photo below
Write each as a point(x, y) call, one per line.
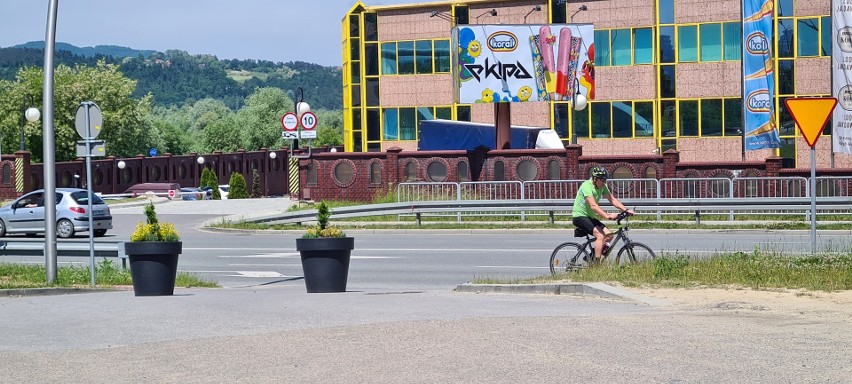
point(209, 179)
point(152, 229)
point(322, 229)
point(237, 186)
point(255, 184)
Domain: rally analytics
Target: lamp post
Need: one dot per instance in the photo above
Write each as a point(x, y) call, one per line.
point(299, 108)
point(492, 12)
point(537, 8)
point(30, 114)
point(578, 102)
point(582, 8)
point(272, 156)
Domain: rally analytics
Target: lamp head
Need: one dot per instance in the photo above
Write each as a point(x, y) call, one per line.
point(493, 12)
point(121, 164)
point(579, 102)
point(32, 114)
point(272, 155)
point(200, 160)
point(434, 13)
point(301, 108)
point(537, 8)
point(584, 7)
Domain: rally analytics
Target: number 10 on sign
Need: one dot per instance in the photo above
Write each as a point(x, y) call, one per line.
point(309, 124)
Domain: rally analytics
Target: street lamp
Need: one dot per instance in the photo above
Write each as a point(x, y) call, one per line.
point(492, 12)
point(537, 8)
point(582, 8)
point(272, 156)
point(31, 114)
point(578, 102)
point(300, 107)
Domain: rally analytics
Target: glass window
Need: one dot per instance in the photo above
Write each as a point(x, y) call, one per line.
point(602, 56)
point(353, 26)
point(643, 116)
point(371, 33)
point(622, 119)
point(785, 8)
point(580, 122)
point(462, 14)
point(620, 46)
point(601, 120)
point(667, 11)
point(711, 42)
point(356, 96)
point(444, 113)
point(733, 40)
point(807, 37)
point(643, 46)
point(560, 119)
point(785, 38)
point(374, 125)
point(558, 13)
point(786, 125)
point(733, 117)
point(667, 81)
point(687, 43)
point(356, 71)
point(666, 45)
point(442, 56)
point(371, 59)
point(423, 53)
point(786, 77)
point(687, 114)
point(389, 58)
point(711, 117)
point(825, 49)
point(463, 113)
point(424, 113)
point(405, 57)
point(354, 50)
point(391, 121)
point(407, 124)
point(667, 124)
point(372, 88)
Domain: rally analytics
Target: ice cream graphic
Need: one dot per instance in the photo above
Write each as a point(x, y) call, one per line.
point(563, 64)
point(572, 64)
point(546, 41)
point(538, 69)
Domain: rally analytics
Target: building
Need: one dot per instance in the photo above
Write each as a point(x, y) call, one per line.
point(667, 75)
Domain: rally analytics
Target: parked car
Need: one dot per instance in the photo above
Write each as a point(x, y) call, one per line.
point(205, 193)
point(26, 214)
point(223, 191)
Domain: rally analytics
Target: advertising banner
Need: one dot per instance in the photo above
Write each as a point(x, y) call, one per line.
point(520, 63)
point(758, 78)
point(841, 75)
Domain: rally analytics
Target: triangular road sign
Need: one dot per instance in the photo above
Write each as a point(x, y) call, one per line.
point(810, 115)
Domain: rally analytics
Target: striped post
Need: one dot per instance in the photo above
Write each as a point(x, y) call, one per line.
point(294, 177)
point(19, 175)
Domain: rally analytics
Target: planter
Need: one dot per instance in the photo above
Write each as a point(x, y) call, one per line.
point(153, 266)
point(325, 263)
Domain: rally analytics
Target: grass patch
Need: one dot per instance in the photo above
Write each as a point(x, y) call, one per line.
point(18, 276)
point(756, 270)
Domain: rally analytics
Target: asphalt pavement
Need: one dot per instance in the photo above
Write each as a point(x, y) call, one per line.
point(574, 333)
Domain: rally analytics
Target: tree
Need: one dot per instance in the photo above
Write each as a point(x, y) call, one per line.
point(260, 118)
point(125, 129)
point(209, 179)
point(237, 186)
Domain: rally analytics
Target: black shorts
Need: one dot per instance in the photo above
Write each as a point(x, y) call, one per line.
point(587, 223)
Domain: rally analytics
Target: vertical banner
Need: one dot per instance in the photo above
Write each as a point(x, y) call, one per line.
point(522, 63)
point(841, 75)
point(758, 76)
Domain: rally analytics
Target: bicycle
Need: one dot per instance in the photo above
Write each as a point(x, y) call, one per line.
point(571, 256)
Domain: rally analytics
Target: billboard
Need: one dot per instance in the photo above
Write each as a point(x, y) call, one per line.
point(841, 76)
point(521, 63)
point(758, 77)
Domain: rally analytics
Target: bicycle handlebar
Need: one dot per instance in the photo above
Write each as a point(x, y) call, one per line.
point(621, 216)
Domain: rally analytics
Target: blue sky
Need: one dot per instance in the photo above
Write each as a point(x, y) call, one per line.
point(276, 30)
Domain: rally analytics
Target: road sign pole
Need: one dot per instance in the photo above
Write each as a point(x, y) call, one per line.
point(88, 139)
point(813, 201)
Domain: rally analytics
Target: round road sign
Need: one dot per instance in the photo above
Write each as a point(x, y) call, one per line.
point(309, 120)
point(289, 121)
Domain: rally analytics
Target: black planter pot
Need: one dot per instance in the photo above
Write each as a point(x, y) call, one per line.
point(153, 266)
point(325, 263)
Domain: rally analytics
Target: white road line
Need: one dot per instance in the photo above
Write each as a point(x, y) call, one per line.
point(511, 267)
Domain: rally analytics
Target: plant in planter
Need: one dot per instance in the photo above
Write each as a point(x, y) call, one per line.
point(153, 251)
point(325, 251)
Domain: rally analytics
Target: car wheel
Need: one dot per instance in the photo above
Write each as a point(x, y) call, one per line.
point(64, 228)
point(2, 228)
point(100, 232)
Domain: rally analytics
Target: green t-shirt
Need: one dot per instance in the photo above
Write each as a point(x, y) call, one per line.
point(581, 206)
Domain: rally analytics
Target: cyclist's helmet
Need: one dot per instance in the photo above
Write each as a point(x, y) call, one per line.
point(600, 173)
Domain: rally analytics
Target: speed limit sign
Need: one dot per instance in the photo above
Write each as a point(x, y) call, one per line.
point(309, 123)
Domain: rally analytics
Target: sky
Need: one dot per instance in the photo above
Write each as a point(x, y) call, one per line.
point(275, 30)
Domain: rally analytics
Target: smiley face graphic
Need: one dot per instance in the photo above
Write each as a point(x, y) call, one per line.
point(474, 49)
point(524, 93)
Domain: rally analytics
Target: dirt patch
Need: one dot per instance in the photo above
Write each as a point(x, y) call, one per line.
point(785, 302)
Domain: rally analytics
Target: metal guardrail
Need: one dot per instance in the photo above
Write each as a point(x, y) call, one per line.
point(553, 206)
point(16, 247)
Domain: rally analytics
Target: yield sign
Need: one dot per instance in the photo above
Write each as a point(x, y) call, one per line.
point(810, 115)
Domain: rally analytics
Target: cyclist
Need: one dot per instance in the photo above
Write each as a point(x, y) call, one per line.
point(586, 210)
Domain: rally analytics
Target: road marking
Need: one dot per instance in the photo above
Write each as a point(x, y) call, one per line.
point(511, 267)
point(258, 274)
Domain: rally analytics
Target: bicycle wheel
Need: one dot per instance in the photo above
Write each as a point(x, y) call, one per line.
point(635, 253)
point(569, 257)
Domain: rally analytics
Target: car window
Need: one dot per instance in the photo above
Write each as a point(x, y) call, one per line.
point(82, 198)
point(30, 201)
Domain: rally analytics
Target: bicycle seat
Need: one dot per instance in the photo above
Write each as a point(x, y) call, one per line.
point(581, 232)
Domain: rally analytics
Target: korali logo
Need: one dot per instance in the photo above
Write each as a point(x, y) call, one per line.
point(758, 101)
point(756, 44)
point(502, 41)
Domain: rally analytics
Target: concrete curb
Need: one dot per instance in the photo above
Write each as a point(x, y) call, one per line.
point(600, 290)
point(54, 291)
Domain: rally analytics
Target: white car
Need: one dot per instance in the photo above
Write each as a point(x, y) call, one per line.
point(223, 191)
